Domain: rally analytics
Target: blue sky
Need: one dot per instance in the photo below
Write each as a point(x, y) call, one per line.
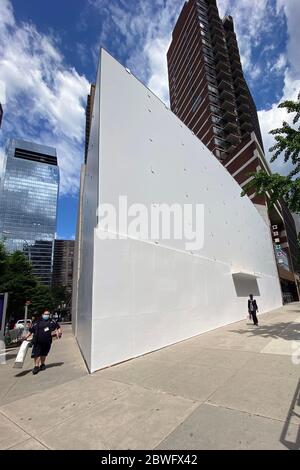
point(49, 51)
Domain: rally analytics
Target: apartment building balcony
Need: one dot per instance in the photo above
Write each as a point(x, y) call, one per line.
point(240, 87)
point(230, 148)
point(242, 97)
point(227, 94)
point(213, 16)
point(244, 115)
point(218, 43)
point(222, 62)
point(228, 105)
point(212, 10)
point(224, 74)
point(244, 107)
point(216, 28)
point(235, 62)
point(229, 116)
point(221, 54)
point(231, 126)
point(232, 46)
point(234, 56)
point(246, 126)
point(239, 80)
point(237, 72)
point(233, 138)
point(226, 85)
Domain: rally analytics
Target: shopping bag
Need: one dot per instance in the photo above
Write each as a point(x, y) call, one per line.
point(21, 355)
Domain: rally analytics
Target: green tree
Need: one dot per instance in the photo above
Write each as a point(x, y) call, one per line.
point(287, 144)
point(3, 260)
point(60, 295)
point(42, 299)
point(18, 280)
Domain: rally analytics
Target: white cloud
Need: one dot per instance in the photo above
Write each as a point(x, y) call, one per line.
point(280, 64)
point(273, 118)
point(144, 29)
point(45, 99)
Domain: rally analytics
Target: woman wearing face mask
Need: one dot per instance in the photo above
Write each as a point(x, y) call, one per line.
point(42, 332)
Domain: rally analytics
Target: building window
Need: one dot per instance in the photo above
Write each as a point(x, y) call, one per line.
point(203, 22)
point(202, 3)
point(214, 99)
point(196, 102)
point(213, 89)
point(215, 109)
point(220, 142)
point(202, 16)
point(211, 79)
point(218, 131)
point(202, 10)
point(208, 52)
point(205, 35)
point(204, 25)
point(216, 119)
point(206, 43)
point(209, 61)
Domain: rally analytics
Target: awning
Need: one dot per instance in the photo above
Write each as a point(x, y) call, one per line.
point(244, 274)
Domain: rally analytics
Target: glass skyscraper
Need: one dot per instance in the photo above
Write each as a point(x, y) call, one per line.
point(28, 203)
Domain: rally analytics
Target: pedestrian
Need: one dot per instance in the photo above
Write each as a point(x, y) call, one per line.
point(252, 309)
point(42, 331)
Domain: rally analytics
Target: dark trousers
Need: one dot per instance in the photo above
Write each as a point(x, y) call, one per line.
point(254, 317)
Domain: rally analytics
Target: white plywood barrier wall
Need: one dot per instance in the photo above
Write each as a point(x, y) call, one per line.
point(147, 295)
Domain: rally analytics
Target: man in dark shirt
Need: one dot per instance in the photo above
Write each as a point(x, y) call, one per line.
point(252, 309)
point(42, 332)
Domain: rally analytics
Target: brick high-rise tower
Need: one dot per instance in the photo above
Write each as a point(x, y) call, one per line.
point(209, 93)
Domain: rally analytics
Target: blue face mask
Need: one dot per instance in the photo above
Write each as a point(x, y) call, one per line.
point(45, 317)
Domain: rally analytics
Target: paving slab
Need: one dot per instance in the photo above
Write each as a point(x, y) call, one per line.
point(229, 378)
point(217, 428)
point(195, 382)
point(39, 413)
point(283, 347)
point(29, 444)
point(136, 371)
point(63, 365)
point(10, 433)
point(258, 393)
point(137, 419)
point(274, 365)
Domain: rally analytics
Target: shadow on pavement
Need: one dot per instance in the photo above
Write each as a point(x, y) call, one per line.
point(295, 443)
point(48, 366)
point(289, 331)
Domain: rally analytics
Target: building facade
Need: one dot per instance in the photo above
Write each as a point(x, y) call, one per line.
point(139, 294)
point(209, 93)
point(88, 118)
point(63, 264)
point(28, 203)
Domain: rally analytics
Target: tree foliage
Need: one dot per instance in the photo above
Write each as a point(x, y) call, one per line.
point(287, 144)
point(17, 278)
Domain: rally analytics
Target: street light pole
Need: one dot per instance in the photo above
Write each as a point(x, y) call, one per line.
point(25, 318)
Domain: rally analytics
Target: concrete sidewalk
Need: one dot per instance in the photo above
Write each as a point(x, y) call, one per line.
point(233, 388)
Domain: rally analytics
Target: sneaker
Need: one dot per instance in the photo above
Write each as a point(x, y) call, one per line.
point(43, 367)
point(35, 370)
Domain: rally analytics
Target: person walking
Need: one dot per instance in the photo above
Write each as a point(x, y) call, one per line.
point(42, 331)
point(253, 309)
